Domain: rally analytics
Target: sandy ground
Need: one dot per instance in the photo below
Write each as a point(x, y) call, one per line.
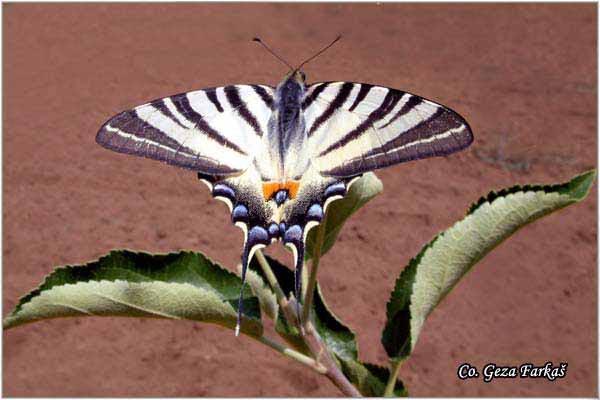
point(524, 76)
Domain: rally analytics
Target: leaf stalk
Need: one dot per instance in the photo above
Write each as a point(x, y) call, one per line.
point(287, 309)
point(312, 280)
point(264, 264)
point(293, 354)
point(391, 383)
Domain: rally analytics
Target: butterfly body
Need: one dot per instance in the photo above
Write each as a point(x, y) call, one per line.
point(279, 156)
point(286, 137)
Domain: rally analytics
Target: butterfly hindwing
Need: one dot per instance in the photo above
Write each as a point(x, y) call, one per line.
point(215, 131)
point(354, 128)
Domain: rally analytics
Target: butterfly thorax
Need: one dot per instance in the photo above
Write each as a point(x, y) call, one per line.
point(286, 136)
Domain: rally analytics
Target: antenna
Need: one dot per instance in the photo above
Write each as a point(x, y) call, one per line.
point(319, 52)
point(272, 52)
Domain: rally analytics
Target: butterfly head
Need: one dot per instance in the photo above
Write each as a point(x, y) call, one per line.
point(291, 88)
point(300, 77)
point(294, 78)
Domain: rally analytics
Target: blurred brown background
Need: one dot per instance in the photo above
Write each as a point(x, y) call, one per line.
point(524, 76)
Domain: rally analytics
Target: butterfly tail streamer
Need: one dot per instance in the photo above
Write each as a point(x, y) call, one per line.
point(298, 277)
point(245, 263)
point(294, 238)
point(256, 238)
point(246, 258)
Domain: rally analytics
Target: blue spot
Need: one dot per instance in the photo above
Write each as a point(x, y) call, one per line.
point(258, 234)
point(220, 190)
point(240, 213)
point(315, 213)
point(337, 189)
point(274, 230)
point(281, 228)
point(293, 234)
point(281, 196)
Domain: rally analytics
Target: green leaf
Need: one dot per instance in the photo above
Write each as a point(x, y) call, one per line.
point(262, 290)
point(361, 192)
point(369, 379)
point(182, 285)
point(337, 336)
point(450, 255)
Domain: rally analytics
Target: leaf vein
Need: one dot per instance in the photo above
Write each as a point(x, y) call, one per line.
point(137, 307)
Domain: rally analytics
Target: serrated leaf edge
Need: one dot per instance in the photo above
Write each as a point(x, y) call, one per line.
point(38, 291)
point(561, 189)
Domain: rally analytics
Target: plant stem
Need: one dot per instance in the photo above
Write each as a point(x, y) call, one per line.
point(323, 361)
point(391, 384)
point(282, 300)
point(319, 350)
point(312, 280)
point(304, 282)
point(264, 264)
point(293, 354)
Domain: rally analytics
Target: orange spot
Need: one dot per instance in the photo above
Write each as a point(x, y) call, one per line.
point(270, 188)
point(292, 188)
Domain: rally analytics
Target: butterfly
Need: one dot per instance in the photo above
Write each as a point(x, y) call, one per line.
point(278, 156)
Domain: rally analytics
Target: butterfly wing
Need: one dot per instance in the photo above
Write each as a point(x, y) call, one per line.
point(355, 127)
point(214, 131)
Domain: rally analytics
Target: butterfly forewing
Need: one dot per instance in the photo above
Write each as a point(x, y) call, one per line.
point(354, 128)
point(212, 131)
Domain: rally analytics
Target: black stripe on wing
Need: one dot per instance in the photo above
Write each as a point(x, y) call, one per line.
point(264, 95)
point(212, 96)
point(308, 100)
point(362, 93)
point(127, 133)
point(162, 107)
point(443, 133)
point(182, 103)
point(336, 104)
point(387, 105)
point(412, 102)
point(233, 96)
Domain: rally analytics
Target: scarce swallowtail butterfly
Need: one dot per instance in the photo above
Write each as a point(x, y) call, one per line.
point(278, 156)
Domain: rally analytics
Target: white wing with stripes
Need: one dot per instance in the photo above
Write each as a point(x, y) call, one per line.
point(354, 128)
point(215, 131)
